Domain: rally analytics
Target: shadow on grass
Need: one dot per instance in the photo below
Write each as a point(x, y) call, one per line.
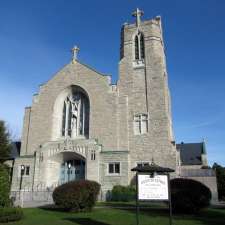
point(206, 217)
point(150, 211)
point(85, 221)
point(133, 204)
point(53, 207)
point(212, 216)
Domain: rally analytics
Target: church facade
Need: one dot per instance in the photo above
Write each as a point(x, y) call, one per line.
point(81, 126)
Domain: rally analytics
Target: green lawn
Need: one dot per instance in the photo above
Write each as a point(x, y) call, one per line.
point(109, 216)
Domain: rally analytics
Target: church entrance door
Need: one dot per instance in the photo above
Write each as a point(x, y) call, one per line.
point(72, 170)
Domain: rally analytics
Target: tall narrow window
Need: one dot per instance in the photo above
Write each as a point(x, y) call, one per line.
point(27, 170)
point(137, 124)
point(64, 119)
point(140, 124)
point(136, 47)
point(114, 168)
point(75, 115)
point(139, 47)
point(142, 46)
point(93, 155)
point(69, 119)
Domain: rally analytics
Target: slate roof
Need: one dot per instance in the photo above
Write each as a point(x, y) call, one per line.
point(15, 150)
point(152, 168)
point(190, 153)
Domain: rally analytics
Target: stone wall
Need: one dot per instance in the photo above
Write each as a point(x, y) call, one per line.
point(27, 180)
point(25, 134)
point(143, 89)
point(102, 107)
point(107, 180)
point(205, 176)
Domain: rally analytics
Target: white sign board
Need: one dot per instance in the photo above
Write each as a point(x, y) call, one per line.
point(152, 188)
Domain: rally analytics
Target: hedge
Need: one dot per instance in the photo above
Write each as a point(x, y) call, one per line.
point(10, 214)
point(76, 195)
point(189, 196)
point(123, 193)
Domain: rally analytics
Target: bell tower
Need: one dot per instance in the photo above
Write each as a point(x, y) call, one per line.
point(144, 93)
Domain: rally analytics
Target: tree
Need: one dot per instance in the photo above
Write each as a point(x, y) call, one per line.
point(4, 142)
point(4, 186)
point(220, 175)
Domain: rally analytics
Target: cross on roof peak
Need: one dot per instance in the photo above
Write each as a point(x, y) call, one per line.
point(138, 13)
point(74, 51)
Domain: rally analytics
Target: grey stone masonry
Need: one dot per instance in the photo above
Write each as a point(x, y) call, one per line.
point(144, 88)
point(79, 119)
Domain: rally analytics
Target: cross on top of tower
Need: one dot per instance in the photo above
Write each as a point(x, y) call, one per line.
point(138, 13)
point(74, 51)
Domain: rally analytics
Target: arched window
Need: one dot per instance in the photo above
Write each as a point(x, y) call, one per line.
point(142, 47)
point(139, 46)
point(136, 47)
point(75, 115)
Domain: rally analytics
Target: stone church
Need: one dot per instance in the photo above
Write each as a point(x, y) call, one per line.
point(81, 126)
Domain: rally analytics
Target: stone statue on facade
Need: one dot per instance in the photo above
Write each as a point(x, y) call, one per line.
point(75, 111)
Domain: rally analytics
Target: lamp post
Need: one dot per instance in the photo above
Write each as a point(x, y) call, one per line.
point(69, 166)
point(22, 170)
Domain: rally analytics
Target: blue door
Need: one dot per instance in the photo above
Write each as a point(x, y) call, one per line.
point(72, 170)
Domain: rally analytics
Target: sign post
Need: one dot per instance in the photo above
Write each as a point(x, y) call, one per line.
point(137, 200)
point(152, 184)
point(170, 203)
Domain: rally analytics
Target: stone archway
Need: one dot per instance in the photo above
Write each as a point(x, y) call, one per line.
point(64, 167)
point(71, 111)
point(72, 168)
point(52, 156)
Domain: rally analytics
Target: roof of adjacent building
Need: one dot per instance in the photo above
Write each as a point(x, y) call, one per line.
point(15, 149)
point(191, 153)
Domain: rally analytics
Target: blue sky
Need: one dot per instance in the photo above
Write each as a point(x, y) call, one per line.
point(36, 38)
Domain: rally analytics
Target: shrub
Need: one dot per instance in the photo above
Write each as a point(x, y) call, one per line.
point(123, 193)
point(189, 196)
point(10, 214)
point(77, 195)
point(4, 186)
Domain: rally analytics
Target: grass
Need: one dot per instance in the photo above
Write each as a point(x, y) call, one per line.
point(112, 216)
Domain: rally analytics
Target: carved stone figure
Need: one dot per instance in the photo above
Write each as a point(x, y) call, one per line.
point(74, 117)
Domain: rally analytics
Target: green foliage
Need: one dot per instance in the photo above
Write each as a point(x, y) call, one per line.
point(189, 196)
point(220, 175)
point(77, 195)
point(122, 193)
point(113, 216)
point(4, 186)
point(10, 214)
point(4, 142)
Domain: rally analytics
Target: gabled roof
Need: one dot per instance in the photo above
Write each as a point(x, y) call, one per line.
point(152, 168)
point(74, 63)
point(191, 153)
point(15, 149)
